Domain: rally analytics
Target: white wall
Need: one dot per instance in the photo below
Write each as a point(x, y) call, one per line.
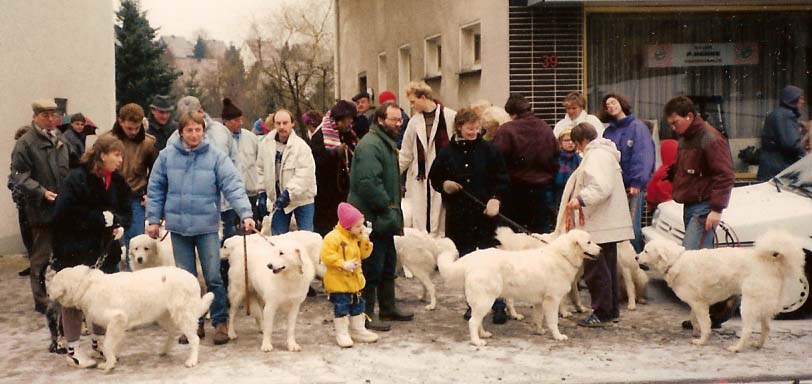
point(51, 48)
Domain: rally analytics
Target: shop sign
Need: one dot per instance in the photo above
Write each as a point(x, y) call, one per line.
point(699, 55)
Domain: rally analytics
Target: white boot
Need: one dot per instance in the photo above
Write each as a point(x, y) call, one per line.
point(359, 332)
point(342, 325)
point(78, 358)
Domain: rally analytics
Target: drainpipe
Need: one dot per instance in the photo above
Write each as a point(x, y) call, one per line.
point(336, 54)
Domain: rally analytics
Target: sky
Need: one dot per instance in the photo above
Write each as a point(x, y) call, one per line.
point(226, 20)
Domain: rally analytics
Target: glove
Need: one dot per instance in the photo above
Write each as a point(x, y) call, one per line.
point(283, 200)
point(350, 265)
point(262, 204)
point(118, 233)
point(492, 208)
point(451, 187)
point(108, 219)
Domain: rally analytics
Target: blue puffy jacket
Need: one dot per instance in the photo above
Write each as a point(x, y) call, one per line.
point(185, 188)
point(633, 140)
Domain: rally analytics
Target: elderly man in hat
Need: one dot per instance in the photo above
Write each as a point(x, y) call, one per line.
point(363, 105)
point(39, 163)
point(248, 145)
point(161, 126)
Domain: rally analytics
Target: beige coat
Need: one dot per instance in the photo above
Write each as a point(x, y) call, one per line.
point(298, 173)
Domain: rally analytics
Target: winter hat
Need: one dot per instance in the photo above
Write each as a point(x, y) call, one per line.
point(348, 215)
point(162, 103)
point(668, 151)
point(361, 95)
point(259, 127)
point(561, 134)
point(343, 109)
point(230, 111)
point(387, 95)
point(790, 94)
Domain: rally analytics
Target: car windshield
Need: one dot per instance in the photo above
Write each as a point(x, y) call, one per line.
point(798, 176)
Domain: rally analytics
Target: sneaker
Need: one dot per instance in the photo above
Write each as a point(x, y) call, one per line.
point(24, 272)
point(221, 334)
point(57, 348)
point(500, 316)
point(78, 359)
point(201, 333)
point(593, 321)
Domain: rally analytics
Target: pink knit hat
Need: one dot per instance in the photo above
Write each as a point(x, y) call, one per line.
point(348, 215)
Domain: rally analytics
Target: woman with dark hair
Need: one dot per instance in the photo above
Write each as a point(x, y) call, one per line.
point(332, 143)
point(91, 212)
point(633, 139)
point(469, 168)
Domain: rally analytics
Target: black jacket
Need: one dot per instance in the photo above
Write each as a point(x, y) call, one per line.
point(161, 132)
point(80, 236)
point(332, 179)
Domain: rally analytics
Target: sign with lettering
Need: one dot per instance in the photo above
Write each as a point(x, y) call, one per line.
point(699, 55)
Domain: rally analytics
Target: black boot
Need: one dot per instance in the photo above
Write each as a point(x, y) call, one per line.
point(373, 323)
point(386, 297)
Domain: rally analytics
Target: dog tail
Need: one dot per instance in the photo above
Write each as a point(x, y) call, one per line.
point(453, 271)
point(782, 247)
point(205, 303)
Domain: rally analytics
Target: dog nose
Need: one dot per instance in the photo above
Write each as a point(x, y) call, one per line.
point(139, 260)
point(270, 266)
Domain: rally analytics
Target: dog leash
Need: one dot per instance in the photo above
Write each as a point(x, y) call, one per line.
point(500, 215)
point(245, 270)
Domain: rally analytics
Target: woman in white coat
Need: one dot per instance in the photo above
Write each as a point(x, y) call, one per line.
point(287, 175)
point(598, 192)
point(429, 131)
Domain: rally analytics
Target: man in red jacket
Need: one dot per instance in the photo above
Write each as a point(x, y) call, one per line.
point(702, 180)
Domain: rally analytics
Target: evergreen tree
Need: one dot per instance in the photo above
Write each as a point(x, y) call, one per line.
point(141, 72)
point(200, 48)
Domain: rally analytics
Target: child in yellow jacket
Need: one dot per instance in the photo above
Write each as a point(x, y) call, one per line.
point(341, 252)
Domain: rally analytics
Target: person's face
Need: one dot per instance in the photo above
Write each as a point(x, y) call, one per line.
point(283, 125)
point(234, 125)
point(419, 104)
point(678, 123)
point(46, 120)
point(470, 130)
point(393, 120)
point(78, 126)
point(162, 117)
point(613, 107)
point(362, 105)
point(801, 102)
point(112, 160)
point(344, 124)
point(574, 110)
point(358, 228)
point(567, 144)
point(192, 134)
point(130, 128)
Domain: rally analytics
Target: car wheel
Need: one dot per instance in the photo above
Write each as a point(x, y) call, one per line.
point(799, 303)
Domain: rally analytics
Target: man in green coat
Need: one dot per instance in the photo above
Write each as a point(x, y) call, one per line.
point(375, 191)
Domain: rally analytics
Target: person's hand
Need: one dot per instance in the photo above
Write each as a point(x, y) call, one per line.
point(712, 220)
point(573, 204)
point(249, 226)
point(283, 200)
point(633, 191)
point(108, 218)
point(451, 187)
point(50, 196)
point(350, 265)
point(118, 233)
point(153, 230)
point(492, 208)
point(144, 201)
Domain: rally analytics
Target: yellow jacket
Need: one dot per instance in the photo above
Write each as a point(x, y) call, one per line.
point(339, 246)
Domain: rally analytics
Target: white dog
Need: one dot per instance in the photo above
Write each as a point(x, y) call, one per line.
point(418, 251)
point(167, 295)
point(146, 252)
point(704, 277)
point(279, 275)
point(539, 276)
point(309, 241)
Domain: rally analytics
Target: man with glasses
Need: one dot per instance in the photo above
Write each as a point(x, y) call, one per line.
point(39, 163)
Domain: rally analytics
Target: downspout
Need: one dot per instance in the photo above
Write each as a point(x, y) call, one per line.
point(336, 55)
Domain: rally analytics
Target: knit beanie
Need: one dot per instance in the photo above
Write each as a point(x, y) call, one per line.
point(348, 215)
point(790, 95)
point(385, 96)
point(230, 111)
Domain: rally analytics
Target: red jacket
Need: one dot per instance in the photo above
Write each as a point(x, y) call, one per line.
point(704, 167)
point(659, 188)
point(529, 148)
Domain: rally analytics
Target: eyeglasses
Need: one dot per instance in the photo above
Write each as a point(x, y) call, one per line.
point(395, 120)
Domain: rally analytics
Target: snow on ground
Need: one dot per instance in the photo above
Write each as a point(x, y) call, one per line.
point(647, 345)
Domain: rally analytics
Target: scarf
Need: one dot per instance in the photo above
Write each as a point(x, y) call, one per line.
point(440, 142)
point(330, 132)
point(108, 177)
point(567, 162)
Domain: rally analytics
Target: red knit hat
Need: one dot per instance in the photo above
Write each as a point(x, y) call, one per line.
point(348, 215)
point(385, 96)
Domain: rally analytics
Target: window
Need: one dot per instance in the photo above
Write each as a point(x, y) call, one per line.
point(362, 82)
point(470, 47)
point(404, 74)
point(383, 81)
point(433, 56)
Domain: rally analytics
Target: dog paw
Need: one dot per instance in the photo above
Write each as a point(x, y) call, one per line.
point(631, 307)
point(561, 337)
point(431, 307)
point(266, 347)
point(582, 309)
point(698, 342)
point(479, 343)
point(106, 366)
point(231, 334)
point(641, 301)
point(540, 331)
point(734, 348)
point(565, 314)
point(486, 335)
point(190, 363)
point(294, 347)
point(518, 316)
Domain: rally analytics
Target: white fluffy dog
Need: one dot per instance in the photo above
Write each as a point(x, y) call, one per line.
point(167, 295)
point(309, 241)
point(146, 252)
point(418, 251)
point(279, 275)
point(539, 276)
point(704, 277)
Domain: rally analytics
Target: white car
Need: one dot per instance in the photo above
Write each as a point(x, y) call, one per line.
point(784, 202)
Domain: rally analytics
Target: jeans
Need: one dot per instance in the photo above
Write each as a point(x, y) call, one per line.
point(136, 227)
point(280, 222)
point(601, 278)
point(693, 216)
point(636, 208)
point(230, 223)
point(382, 263)
point(347, 304)
point(208, 247)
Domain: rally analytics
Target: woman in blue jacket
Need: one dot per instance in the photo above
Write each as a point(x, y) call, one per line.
point(184, 189)
point(633, 139)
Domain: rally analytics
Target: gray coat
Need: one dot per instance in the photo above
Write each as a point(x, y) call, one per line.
point(39, 164)
point(780, 142)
